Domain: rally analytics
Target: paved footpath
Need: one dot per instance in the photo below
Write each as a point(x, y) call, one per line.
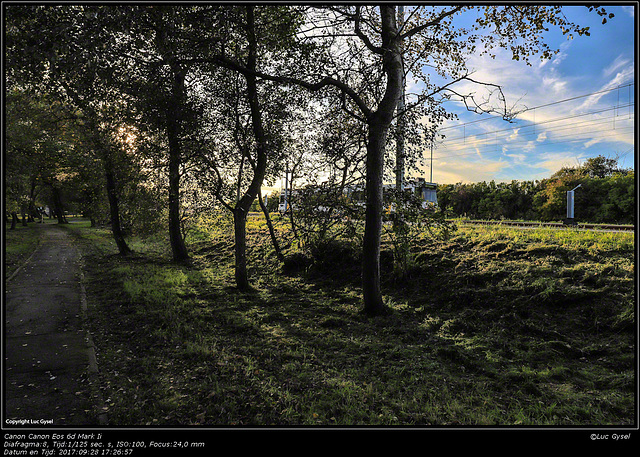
point(49, 359)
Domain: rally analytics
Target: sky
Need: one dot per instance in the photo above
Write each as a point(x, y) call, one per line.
point(578, 105)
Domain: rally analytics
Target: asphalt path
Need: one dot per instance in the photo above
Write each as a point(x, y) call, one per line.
point(49, 361)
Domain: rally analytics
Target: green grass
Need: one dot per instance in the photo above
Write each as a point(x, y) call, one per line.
point(492, 326)
point(19, 245)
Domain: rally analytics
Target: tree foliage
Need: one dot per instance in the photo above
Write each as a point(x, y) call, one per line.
point(184, 103)
point(606, 195)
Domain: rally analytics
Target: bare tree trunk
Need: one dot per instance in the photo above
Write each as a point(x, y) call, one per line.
point(239, 231)
point(373, 304)
point(178, 247)
point(242, 207)
point(114, 207)
point(272, 233)
point(400, 124)
point(14, 220)
point(378, 125)
point(57, 202)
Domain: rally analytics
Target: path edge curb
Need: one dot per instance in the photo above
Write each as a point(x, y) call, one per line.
point(103, 418)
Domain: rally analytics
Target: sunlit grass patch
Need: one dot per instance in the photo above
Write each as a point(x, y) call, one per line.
point(567, 237)
point(491, 328)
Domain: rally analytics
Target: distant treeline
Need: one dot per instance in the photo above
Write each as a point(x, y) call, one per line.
point(606, 195)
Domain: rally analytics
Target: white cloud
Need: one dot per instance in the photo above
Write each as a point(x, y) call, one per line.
point(517, 158)
point(560, 56)
point(590, 143)
point(552, 162)
point(615, 65)
point(523, 85)
point(466, 171)
point(544, 139)
point(557, 58)
point(555, 84)
point(624, 75)
point(514, 135)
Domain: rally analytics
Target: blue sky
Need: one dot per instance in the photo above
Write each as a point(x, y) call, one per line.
point(578, 105)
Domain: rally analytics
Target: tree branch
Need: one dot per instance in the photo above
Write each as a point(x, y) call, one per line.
point(362, 36)
point(212, 165)
point(326, 81)
point(431, 23)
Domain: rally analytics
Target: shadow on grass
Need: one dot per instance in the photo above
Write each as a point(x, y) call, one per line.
point(478, 335)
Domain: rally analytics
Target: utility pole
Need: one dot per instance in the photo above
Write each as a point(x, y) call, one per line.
point(286, 188)
point(431, 164)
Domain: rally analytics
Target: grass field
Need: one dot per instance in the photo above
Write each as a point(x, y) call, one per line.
point(491, 326)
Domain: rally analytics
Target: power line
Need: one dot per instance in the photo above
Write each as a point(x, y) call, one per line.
point(474, 140)
point(582, 96)
point(522, 165)
point(542, 106)
point(549, 143)
point(586, 136)
point(527, 139)
point(543, 122)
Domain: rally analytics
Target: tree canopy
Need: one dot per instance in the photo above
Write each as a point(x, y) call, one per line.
point(192, 106)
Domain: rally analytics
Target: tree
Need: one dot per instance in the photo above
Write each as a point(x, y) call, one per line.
point(254, 112)
point(360, 55)
point(600, 167)
point(173, 110)
point(24, 139)
point(604, 195)
point(376, 110)
point(43, 152)
point(53, 46)
point(152, 42)
point(370, 90)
